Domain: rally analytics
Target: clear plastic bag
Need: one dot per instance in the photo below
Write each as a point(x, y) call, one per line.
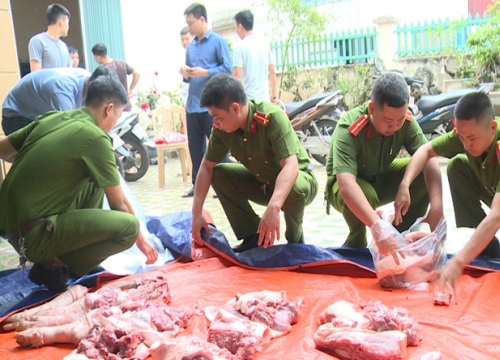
point(419, 261)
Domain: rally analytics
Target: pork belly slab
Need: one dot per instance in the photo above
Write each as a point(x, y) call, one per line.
point(361, 344)
point(372, 331)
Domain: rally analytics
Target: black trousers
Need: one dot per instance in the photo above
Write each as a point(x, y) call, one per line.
point(14, 123)
point(199, 128)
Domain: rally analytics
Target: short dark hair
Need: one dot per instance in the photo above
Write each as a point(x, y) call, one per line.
point(72, 49)
point(100, 49)
point(102, 71)
point(475, 106)
point(197, 10)
point(221, 91)
point(245, 18)
point(105, 89)
point(54, 12)
point(184, 30)
point(390, 89)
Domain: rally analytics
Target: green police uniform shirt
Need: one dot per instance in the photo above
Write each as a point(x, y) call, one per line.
point(268, 138)
point(58, 154)
point(356, 147)
point(486, 168)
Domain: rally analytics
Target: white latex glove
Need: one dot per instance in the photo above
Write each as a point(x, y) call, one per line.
point(387, 239)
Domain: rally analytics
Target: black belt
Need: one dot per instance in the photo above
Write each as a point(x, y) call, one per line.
point(24, 229)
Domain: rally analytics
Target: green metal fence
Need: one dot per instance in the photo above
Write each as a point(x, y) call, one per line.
point(436, 37)
point(358, 46)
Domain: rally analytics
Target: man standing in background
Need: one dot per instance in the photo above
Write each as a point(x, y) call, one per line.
point(252, 61)
point(121, 68)
point(185, 41)
point(206, 55)
point(47, 50)
point(73, 54)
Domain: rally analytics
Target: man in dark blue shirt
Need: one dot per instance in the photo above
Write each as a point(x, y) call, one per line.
point(207, 55)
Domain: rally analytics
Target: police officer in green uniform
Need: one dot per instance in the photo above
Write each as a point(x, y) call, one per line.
point(52, 197)
point(362, 168)
point(473, 170)
point(273, 169)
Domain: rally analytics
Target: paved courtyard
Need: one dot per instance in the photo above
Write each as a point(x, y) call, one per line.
point(319, 228)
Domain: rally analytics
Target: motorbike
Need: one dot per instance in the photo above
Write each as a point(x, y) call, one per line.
point(434, 113)
point(314, 120)
point(131, 146)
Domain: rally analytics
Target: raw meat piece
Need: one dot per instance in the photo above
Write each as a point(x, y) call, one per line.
point(109, 341)
point(188, 348)
point(53, 314)
point(384, 318)
point(240, 336)
point(372, 316)
point(70, 333)
point(344, 314)
point(268, 307)
point(442, 298)
point(163, 317)
point(152, 317)
point(413, 268)
point(361, 344)
point(62, 300)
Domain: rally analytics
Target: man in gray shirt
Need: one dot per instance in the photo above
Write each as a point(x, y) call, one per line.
point(47, 50)
point(42, 91)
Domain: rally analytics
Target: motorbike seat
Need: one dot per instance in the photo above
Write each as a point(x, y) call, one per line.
point(429, 103)
point(294, 108)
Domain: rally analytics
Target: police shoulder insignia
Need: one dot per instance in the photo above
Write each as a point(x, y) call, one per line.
point(359, 124)
point(409, 115)
point(262, 118)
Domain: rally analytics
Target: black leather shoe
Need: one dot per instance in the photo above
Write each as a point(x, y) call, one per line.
point(248, 243)
point(492, 250)
point(54, 278)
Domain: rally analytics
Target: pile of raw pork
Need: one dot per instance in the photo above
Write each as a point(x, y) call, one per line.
point(131, 320)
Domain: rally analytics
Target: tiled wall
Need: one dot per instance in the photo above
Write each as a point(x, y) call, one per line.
point(9, 69)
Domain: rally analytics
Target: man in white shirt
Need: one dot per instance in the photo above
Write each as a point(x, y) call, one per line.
point(252, 61)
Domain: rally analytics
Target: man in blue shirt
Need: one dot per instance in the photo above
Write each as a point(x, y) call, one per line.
point(206, 55)
point(41, 91)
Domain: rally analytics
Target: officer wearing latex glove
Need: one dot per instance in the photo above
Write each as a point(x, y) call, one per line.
point(387, 239)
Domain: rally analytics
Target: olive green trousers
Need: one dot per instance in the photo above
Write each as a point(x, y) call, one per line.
point(236, 187)
point(83, 236)
point(467, 193)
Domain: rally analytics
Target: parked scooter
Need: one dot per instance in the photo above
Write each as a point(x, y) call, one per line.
point(314, 120)
point(130, 144)
point(434, 113)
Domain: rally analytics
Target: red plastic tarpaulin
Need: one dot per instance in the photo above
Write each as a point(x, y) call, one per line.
point(467, 330)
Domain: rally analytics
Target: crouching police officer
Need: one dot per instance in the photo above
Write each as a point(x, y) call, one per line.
point(362, 168)
point(273, 170)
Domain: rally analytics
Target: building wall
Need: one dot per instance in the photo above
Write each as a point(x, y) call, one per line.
point(9, 71)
